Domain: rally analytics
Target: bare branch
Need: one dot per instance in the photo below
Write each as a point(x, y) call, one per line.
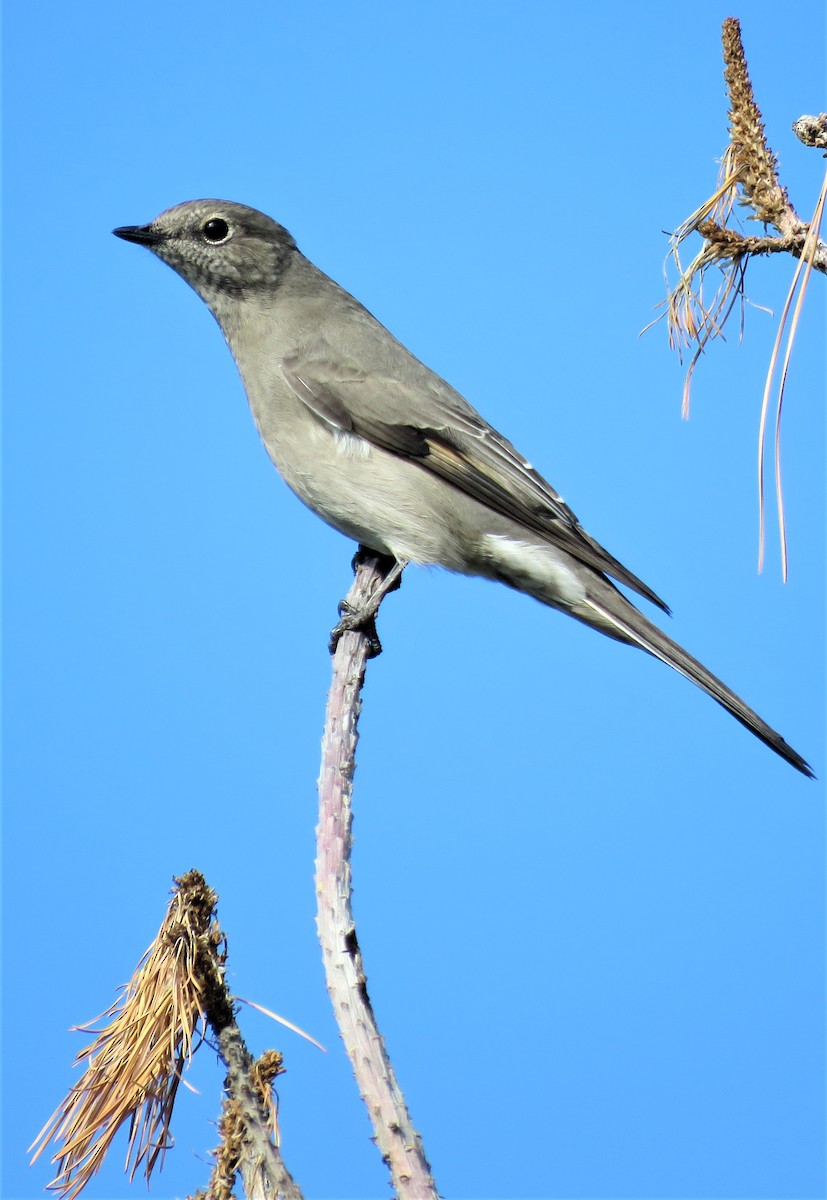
point(398, 1141)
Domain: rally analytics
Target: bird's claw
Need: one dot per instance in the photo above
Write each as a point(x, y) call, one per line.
point(351, 619)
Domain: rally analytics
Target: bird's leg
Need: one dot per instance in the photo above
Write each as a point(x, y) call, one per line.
point(364, 618)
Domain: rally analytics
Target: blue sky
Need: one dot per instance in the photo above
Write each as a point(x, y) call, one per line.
point(591, 905)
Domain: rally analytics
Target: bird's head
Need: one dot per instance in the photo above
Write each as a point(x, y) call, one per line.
point(218, 247)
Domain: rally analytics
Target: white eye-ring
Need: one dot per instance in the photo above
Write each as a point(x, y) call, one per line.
point(215, 231)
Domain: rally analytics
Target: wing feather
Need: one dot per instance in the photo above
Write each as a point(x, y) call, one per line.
point(447, 436)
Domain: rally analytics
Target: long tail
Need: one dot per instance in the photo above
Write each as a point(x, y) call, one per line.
point(615, 613)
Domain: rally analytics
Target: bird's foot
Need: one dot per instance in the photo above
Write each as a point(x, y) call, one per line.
point(364, 618)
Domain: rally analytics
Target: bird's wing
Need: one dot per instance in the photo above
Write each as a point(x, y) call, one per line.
point(442, 433)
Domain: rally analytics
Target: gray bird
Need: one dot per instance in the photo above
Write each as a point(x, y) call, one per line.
point(387, 452)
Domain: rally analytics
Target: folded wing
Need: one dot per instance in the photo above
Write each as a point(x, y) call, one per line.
point(443, 434)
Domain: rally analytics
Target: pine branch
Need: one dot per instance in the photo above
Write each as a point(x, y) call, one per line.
point(398, 1141)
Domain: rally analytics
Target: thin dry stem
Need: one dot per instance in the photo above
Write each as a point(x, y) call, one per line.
point(802, 274)
point(396, 1137)
point(268, 1012)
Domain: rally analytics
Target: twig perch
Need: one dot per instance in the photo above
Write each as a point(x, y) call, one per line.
point(398, 1141)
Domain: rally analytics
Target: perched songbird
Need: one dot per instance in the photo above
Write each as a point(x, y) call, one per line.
point(387, 452)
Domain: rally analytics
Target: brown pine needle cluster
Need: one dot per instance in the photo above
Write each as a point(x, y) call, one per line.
point(695, 312)
point(134, 1064)
point(692, 318)
point(748, 176)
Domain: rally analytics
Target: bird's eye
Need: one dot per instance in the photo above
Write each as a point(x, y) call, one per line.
point(215, 230)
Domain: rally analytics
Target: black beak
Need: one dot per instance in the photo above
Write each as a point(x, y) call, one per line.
point(143, 235)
